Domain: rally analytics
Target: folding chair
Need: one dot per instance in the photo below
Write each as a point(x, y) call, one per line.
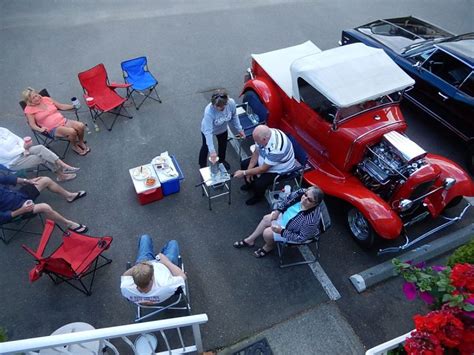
point(325, 223)
point(100, 95)
point(77, 257)
point(253, 112)
point(135, 72)
point(180, 300)
point(17, 226)
point(293, 176)
point(44, 138)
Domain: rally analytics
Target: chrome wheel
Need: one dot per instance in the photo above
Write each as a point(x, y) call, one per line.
point(361, 230)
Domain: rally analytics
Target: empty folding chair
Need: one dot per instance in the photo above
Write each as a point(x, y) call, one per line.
point(252, 112)
point(325, 223)
point(135, 72)
point(100, 95)
point(46, 139)
point(77, 257)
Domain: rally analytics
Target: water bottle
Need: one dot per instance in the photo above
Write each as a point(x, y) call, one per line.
point(214, 167)
point(286, 192)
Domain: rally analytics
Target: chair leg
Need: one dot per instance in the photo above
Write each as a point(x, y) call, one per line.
point(6, 240)
point(283, 265)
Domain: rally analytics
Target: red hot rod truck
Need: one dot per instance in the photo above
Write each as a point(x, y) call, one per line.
point(342, 106)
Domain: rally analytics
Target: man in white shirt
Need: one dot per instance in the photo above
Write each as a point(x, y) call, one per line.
point(273, 155)
point(153, 279)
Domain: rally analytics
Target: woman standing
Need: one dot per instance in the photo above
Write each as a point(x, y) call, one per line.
point(217, 115)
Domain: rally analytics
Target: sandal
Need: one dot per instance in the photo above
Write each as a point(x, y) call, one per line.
point(71, 170)
point(260, 253)
point(79, 151)
point(80, 229)
point(65, 177)
point(242, 244)
point(79, 195)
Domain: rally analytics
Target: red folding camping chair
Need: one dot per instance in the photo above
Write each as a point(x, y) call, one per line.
point(100, 95)
point(77, 257)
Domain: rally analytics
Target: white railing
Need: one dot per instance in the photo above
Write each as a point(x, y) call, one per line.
point(105, 335)
point(383, 349)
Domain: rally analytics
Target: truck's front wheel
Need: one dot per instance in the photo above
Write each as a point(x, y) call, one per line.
point(361, 230)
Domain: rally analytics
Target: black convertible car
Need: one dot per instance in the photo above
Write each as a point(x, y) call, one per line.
point(440, 62)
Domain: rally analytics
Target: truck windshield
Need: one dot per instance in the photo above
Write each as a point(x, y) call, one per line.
point(351, 111)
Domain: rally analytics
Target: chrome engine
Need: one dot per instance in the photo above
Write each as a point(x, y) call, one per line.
point(390, 163)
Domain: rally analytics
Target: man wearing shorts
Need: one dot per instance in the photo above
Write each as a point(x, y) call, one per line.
point(20, 202)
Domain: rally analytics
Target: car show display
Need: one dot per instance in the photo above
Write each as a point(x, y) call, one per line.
point(441, 63)
point(342, 106)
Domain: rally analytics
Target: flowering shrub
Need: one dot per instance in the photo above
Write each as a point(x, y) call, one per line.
point(450, 293)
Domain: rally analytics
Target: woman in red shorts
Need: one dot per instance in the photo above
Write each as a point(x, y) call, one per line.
point(43, 116)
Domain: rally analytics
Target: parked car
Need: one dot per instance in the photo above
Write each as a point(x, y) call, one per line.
point(441, 63)
point(342, 106)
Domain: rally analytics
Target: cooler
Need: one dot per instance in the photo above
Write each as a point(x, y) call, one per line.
point(145, 193)
point(170, 176)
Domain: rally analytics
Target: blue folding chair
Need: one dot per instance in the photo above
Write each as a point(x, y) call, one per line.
point(254, 113)
point(135, 72)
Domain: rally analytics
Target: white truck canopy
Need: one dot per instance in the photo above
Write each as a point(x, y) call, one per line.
point(346, 75)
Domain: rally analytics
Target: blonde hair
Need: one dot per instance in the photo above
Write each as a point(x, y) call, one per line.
point(142, 274)
point(26, 94)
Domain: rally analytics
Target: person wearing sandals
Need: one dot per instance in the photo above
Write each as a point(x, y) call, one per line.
point(18, 154)
point(43, 116)
point(295, 219)
point(217, 115)
point(14, 203)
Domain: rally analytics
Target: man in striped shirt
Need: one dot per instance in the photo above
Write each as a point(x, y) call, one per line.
point(273, 155)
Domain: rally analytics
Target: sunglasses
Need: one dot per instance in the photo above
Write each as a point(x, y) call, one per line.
point(310, 199)
point(219, 96)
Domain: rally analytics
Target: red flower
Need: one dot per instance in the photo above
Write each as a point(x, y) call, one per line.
point(462, 276)
point(422, 343)
point(443, 325)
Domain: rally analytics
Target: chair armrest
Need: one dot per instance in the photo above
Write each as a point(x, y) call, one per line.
point(90, 104)
point(119, 85)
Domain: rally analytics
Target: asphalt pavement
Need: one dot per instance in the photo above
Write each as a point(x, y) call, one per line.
point(192, 48)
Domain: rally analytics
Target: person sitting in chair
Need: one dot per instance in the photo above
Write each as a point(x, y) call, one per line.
point(296, 220)
point(14, 203)
point(43, 116)
point(153, 279)
point(17, 154)
point(273, 155)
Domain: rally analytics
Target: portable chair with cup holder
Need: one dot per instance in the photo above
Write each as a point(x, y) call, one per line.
point(135, 72)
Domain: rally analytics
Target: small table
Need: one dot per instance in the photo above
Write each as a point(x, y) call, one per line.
point(91, 347)
point(217, 185)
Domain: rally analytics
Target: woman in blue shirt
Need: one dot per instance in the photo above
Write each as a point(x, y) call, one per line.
point(296, 219)
point(217, 115)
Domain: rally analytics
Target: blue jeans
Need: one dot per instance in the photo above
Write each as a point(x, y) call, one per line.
point(146, 251)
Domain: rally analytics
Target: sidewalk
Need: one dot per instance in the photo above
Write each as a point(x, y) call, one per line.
point(321, 330)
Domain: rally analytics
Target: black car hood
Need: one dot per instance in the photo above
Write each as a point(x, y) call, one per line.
point(400, 33)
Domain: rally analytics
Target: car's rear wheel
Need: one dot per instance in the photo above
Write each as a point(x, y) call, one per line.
point(361, 230)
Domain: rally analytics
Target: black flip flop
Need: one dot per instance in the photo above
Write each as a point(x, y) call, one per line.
point(260, 253)
point(80, 229)
point(79, 195)
point(242, 244)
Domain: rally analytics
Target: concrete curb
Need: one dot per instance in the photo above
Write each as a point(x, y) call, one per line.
point(383, 271)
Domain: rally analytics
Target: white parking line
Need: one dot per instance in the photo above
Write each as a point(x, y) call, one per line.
point(319, 273)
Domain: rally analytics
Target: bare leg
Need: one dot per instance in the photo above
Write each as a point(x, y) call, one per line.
point(46, 209)
point(79, 127)
point(71, 134)
point(44, 182)
point(268, 238)
point(264, 223)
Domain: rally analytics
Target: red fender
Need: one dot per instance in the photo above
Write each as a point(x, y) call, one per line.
point(268, 94)
point(464, 185)
point(385, 222)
